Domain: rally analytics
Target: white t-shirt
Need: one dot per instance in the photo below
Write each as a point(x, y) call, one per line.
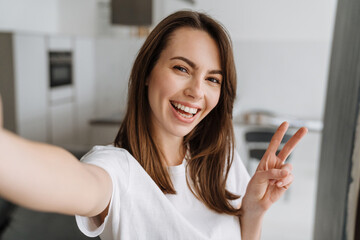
point(140, 210)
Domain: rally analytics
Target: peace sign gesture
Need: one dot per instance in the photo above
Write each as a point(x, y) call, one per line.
point(272, 176)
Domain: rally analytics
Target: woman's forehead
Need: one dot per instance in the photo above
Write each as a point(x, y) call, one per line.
point(193, 44)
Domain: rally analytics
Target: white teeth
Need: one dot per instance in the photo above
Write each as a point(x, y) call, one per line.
point(185, 109)
point(185, 115)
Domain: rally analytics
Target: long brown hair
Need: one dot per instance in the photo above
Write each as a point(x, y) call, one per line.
point(211, 142)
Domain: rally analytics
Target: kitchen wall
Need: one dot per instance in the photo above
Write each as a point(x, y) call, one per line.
point(39, 16)
point(285, 77)
point(114, 59)
point(274, 20)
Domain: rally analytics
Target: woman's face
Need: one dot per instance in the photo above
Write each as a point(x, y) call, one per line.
point(184, 85)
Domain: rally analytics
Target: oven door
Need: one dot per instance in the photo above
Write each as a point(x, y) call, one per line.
point(60, 69)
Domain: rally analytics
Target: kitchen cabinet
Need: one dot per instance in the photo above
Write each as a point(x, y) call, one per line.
point(32, 109)
point(71, 106)
point(62, 98)
point(24, 84)
point(84, 75)
point(62, 127)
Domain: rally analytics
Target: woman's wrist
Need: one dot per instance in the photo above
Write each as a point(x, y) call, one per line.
point(251, 224)
point(252, 207)
point(252, 213)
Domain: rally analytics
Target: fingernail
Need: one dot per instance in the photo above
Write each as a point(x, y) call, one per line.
point(279, 184)
point(283, 172)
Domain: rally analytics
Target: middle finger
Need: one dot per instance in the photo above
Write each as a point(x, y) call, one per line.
point(290, 145)
point(277, 138)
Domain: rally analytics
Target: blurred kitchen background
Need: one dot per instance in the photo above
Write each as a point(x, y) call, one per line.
point(64, 68)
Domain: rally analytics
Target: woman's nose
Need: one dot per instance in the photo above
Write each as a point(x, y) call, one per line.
point(195, 89)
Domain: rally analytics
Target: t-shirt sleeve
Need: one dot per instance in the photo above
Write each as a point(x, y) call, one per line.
point(115, 162)
point(238, 178)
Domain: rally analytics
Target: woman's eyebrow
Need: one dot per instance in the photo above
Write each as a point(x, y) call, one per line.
point(216, 72)
point(193, 65)
point(188, 61)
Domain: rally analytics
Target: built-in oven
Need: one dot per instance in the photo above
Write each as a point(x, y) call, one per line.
point(60, 68)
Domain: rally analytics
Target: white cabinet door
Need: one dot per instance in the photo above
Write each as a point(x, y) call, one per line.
point(62, 100)
point(30, 61)
point(62, 124)
point(84, 75)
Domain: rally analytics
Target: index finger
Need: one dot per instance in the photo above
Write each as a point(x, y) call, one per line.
point(277, 138)
point(290, 145)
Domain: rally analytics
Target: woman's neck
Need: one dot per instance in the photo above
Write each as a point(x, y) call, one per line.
point(172, 149)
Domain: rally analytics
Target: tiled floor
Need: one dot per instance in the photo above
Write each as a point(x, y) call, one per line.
point(292, 217)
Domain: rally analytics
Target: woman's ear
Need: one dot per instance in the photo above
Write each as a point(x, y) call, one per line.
point(147, 82)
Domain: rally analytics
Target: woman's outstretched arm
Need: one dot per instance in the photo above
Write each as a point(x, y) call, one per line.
point(48, 178)
point(270, 181)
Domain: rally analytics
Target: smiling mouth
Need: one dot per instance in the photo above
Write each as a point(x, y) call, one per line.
point(185, 111)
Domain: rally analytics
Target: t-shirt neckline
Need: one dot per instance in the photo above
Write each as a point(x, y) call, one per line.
point(178, 169)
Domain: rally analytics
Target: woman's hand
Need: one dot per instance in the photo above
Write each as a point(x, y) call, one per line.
point(270, 181)
point(272, 177)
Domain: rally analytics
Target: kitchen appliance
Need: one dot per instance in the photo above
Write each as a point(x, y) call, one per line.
point(60, 68)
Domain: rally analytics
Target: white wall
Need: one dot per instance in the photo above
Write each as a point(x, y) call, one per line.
point(262, 19)
point(276, 19)
point(89, 18)
point(77, 17)
point(61, 17)
point(113, 58)
point(162, 8)
point(32, 16)
point(285, 77)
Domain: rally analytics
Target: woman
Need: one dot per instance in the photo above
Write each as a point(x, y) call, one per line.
point(172, 172)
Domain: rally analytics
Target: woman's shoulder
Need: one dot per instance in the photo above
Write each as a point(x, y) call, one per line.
point(108, 150)
point(108, 156)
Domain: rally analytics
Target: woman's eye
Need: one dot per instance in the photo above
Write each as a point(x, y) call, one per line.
point(214, 80)
point(182, 69)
